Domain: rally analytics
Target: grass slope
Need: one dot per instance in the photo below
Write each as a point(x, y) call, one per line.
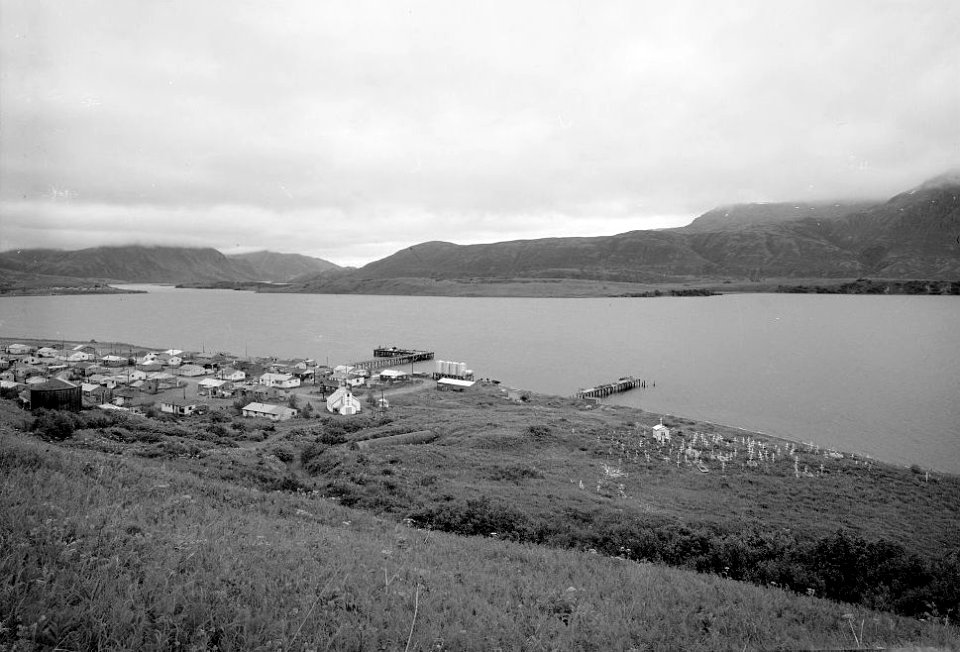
point(113, 551)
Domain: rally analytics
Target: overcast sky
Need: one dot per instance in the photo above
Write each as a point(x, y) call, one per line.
point(349, 130)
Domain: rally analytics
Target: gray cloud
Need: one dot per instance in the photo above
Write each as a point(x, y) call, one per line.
point(349, 132)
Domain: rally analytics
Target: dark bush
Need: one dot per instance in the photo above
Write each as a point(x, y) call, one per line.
point(54, 424)
point(283, 453)
point(217, 430)
point(313, 450)
point(539, 431)
point(219, 416)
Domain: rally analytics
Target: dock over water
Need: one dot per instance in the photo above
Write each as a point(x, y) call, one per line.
point(393, 356)
point(620, 385)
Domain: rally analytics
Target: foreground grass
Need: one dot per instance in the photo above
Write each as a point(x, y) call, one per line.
point(102, 551)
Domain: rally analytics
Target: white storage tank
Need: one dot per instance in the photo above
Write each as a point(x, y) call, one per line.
point(462, 369)
point(440, 366)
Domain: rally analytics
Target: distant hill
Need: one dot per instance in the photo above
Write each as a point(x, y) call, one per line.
point(278, 268)
point(135, 264)
point(139, 264)
point(915, 234)
point(738, 216)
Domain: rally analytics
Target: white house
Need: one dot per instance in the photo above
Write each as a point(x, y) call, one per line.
point(393, 375)
point(231, 374)
point(135, 374)
point(283, 381)
point(47, 352)
point(180, 408)
point(19, 349)
point(343, 402)
point(78, 356)
point(113, 361)
point(215, 388)
point(267, 411)
point(660, 432)
point(162, 376)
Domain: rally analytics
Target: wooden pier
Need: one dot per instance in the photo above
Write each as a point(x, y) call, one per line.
point(392, 357)
point(621, 385)
point(396, 351)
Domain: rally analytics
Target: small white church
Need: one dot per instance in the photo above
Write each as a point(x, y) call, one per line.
point(343, 402)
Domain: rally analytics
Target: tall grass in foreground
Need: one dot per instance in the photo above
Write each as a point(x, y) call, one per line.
point(107, 552)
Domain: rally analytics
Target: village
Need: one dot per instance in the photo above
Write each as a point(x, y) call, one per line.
point(91, 375)
point(74, 376)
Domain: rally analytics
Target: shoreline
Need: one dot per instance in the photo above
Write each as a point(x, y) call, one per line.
point(107, 346)
point(531, 288)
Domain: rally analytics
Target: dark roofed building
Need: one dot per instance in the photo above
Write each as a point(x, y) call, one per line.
point(56, 394)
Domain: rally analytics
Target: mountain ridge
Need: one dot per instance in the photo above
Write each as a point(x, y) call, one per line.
point(914, 234)
point(160, 264)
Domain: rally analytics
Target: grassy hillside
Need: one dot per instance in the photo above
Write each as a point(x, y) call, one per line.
point(219, 532)
point(130, 263)
point(114, 552)
point(273, 267)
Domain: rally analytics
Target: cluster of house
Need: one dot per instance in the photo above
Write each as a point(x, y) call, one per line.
point(46, 376)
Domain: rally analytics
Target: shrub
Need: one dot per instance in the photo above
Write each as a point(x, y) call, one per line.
point(9, 393)
point(54, 424)
point(313, 449)
point(217, 430)
point(332, 438)
point(219, 416)
point(322, 464)
point(539, 431)
point(283, 453)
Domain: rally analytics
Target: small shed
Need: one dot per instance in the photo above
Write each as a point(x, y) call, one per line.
point(661, 433)
point(56, 394)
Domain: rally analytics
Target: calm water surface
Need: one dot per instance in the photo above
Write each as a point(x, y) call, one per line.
point(879, 375)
